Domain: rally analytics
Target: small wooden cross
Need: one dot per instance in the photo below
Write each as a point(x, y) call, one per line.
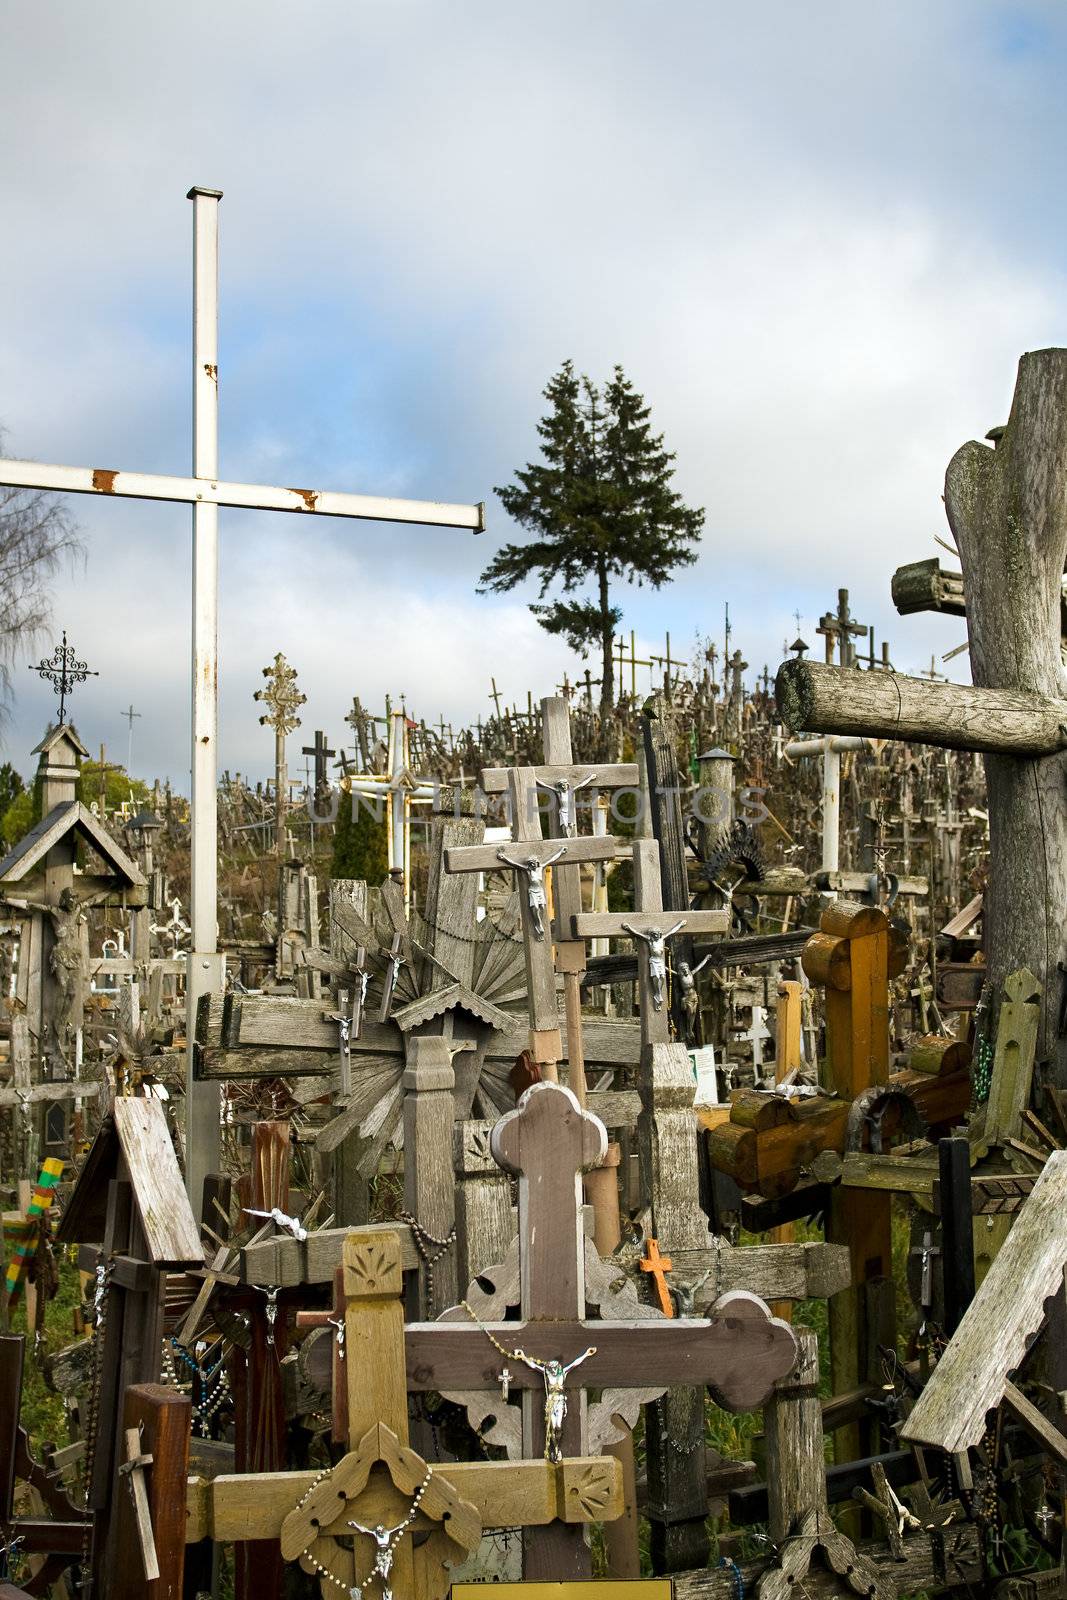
point(652, 1262)
point(133, 1470)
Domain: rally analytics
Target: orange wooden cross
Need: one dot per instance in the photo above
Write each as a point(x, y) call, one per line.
point(659, 1266)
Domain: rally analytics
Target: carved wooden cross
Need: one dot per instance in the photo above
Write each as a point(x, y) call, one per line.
point(377, 1480)
point(738, 1352)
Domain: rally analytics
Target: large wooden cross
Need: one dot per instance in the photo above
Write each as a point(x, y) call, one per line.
point(375, 1482)
point(564, 781)
point(205, 494)
point(529, 858)
point(738, 1352)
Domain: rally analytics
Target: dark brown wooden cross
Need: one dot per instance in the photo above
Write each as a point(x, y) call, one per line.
point(739, 1351)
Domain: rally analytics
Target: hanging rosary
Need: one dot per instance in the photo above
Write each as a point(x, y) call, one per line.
point(386, 1540)
point(552, 1371)
point(422, 1241)
point(205, 1402)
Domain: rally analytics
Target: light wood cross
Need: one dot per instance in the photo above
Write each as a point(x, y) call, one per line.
point(649, 926)
point(133, 1470)
point(376, 1481)
point(658, 1266)
point(529, 856)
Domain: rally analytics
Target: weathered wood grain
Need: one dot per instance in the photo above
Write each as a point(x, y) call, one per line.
point(970, 1378)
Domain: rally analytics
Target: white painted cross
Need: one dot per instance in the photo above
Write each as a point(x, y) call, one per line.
point(205, 493)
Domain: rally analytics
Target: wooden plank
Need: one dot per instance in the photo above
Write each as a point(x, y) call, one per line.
point(970, 1378)
point(505, 1493)
point(605, 924)
point(287, 1262)
point(486, 857)
point(608, 775)
point(164, 1420)
point(1037, 1425)
point(170, 1230)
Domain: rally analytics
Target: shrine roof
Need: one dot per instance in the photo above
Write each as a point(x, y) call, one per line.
point(72, 817)
point(449, 998)
point(65, 730)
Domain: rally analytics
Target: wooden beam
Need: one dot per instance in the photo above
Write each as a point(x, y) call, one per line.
point(814, 698)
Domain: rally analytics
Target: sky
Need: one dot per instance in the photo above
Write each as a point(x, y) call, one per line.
point(817, 237)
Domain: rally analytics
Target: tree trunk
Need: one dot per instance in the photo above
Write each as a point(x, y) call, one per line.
point(1008, 512)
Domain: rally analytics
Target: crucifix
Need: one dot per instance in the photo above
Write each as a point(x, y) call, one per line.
point(281, 697)
point(560, 778)
point(205, 493)
point(554, 1352)
point(381, 1490)
point(531, 855)
point(633, 661)
point(840, 628)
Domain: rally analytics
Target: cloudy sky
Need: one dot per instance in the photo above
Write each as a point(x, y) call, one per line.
point(817, 237)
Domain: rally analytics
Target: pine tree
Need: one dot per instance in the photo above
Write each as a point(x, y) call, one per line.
point(600, 506)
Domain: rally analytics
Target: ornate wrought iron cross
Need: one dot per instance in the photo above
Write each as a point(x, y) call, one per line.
point(63, 670)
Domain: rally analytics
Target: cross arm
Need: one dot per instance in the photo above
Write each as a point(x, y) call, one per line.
point(251, 496)
point(487, 857)
point(610, 775)
point(739, 1352)
point(505, 1493)
point(615, 924)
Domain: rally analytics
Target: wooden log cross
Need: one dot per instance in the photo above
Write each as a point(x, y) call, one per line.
point(738, 1352)
point(1007, 508)
point(380, 1476)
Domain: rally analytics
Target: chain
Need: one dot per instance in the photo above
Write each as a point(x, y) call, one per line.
point(202, 1377)
point(92, 1420)
point(422, 1240)
point(461, 938)
point(509, 1355)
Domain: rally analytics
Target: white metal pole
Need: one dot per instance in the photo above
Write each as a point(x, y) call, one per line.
point(831, 807)
point(205, 967)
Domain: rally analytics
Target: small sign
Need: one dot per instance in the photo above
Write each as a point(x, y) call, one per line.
point(608, 1589)
point(707, 1093)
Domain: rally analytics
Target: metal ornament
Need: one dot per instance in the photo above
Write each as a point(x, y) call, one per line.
point(63, 670)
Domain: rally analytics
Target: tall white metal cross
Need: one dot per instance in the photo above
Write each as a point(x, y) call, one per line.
point(205, 494)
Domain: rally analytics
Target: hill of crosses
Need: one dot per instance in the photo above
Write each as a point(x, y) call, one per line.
point(623, 1138)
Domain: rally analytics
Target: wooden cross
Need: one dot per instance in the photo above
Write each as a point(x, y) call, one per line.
point(529, 858)
point(738, 1352)
point(322, 753)
point(133, 1470)
point(652, 1262)
point(649, 925)
point(563, 780)
point(34, 1222)
point(105, 767)
point(633, 661)
point(461, 1498)
point(840, 628)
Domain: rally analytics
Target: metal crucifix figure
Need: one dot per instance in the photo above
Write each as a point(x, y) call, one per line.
point(656, 939)
point(536, 896)
point(565, 792)
point(555, 1375)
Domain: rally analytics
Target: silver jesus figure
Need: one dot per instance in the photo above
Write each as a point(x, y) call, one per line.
point(565, 792)
point(536, 896)
point(387, 1540)
point(656, 939)
point(555, 1375)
